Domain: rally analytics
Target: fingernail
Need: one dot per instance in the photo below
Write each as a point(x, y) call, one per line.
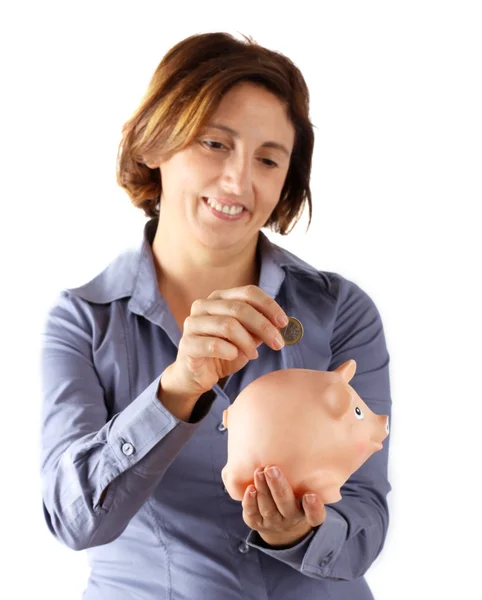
point(273, 472)
point(278, 341)
point(282, 320)
point(252, 491)
point(310, 498)
point(260, 475)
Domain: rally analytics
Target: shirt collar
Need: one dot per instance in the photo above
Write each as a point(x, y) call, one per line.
point(132, 275)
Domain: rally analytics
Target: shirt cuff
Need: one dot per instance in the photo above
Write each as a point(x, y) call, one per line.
point(292, 556)
point(142, 425)
point(202, 406)
point(315, 554)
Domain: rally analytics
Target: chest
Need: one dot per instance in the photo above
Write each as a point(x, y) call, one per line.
point(130, 352)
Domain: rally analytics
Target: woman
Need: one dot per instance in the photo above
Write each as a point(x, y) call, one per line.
point(140, 363)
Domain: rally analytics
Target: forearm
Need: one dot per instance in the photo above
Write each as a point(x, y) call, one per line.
point(364, 508)
point(285, 540)
point(94, 484)
point(175, 401)
point(343, 547)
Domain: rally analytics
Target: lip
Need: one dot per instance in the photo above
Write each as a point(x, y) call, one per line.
point(223, 216)
point(225, 201)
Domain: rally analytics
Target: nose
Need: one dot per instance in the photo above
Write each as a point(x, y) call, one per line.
point(237, 175)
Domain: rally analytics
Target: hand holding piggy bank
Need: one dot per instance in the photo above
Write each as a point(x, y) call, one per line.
point(311, 424)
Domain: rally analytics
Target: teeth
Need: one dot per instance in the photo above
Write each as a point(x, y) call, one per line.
point(227, 210)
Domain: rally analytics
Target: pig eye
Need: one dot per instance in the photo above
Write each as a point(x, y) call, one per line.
point(358, 413)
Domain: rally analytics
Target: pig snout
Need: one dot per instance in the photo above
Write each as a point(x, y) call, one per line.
point(381, 430)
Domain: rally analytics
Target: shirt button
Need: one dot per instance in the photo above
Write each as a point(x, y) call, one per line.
point(243, 548)
point(127, 449)
point(221, 427)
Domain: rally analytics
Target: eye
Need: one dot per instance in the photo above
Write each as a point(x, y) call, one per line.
point(207, 143)
point(358, 413)
point(269, 163)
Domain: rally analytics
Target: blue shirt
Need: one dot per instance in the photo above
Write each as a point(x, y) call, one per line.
point(166, 528)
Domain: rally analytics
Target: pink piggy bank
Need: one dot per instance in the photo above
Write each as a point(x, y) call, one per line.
point(312, 424)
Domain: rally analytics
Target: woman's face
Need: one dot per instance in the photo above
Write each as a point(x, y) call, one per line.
point(240, 159)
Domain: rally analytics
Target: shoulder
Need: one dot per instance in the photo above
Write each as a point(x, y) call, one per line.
point(304, 275)
point(115, 281)
point(88, 306)
point(328, 294)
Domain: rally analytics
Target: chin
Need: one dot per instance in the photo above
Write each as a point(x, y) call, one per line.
point(218, 242)
point(224, 241)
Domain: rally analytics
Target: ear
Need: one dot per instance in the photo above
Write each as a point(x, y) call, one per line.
point(346, 370)
point(152, 164)
point(337, 399)
point(150, 160)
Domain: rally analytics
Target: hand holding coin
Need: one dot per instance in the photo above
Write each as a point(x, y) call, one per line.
point(220, 336)
point(293, 332)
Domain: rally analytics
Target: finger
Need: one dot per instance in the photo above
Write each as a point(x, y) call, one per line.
point(254, 295)
point(282, 493)
point(315, 511)
point(196, 346)
point(225, 327)
point(261, 328)
point(243, 312)
point(266, 505)
point(250, 503)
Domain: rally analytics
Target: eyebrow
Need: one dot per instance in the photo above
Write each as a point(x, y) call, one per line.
point(269, 144)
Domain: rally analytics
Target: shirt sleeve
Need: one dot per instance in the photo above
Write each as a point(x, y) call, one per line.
point(354, 532)
point(96, 472)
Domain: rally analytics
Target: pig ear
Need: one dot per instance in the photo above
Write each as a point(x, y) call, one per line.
point(346, 370)
point(338, 399)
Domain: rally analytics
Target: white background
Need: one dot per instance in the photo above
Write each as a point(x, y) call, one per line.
point(397, 103)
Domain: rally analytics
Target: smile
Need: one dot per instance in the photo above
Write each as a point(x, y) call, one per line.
point(224, 212)
point(234, 209)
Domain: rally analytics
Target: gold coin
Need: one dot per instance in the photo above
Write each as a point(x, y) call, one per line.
point(293, 332)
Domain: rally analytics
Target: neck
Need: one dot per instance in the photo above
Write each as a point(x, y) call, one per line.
point(191, 271)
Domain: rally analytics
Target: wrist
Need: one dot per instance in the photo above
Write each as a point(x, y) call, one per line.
point(286, 540)
point(174, 398)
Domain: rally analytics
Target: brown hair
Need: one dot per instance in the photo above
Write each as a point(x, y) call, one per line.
point(183, 94)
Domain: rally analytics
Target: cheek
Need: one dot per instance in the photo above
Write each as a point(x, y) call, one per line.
point(266, 200)
point(199, 173)
point(273, 187)
point(361, 447)
point(268, 192)
point(198, 167)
